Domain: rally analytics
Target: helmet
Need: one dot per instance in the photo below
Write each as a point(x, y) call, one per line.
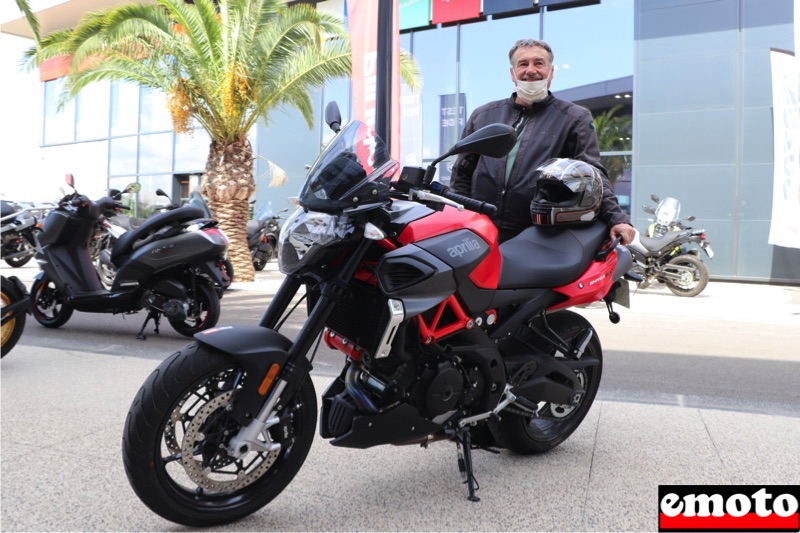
point(566, 191)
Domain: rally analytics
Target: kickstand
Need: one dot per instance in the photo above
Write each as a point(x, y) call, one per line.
point(464, 449)
point(156, 319)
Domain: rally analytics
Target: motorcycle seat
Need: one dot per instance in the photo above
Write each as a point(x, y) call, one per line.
point(655, 244)
point(128, 239)
point(543, 257)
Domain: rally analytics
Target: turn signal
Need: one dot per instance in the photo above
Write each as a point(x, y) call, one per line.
point(268, 379)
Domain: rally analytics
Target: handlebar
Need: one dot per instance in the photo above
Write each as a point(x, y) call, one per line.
point(469, 203)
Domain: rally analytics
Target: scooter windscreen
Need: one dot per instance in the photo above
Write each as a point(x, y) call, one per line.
point(354, 169)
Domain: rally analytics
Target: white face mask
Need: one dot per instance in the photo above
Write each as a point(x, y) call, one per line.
point(531, 91)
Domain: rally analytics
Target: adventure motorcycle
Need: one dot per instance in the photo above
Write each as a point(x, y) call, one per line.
point(19, 228)
point(262, 236)
point(170, 265)
point(447, 336)
point(16, 304)
point(665, 255)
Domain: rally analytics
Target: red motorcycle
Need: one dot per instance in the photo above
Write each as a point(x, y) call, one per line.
point(448, 335)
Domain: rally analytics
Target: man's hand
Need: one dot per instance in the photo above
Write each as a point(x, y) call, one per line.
point(624, 231)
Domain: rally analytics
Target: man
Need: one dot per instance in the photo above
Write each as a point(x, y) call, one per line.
point(546, 128)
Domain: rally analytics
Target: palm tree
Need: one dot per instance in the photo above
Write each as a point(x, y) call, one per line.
point(614, 135)
point(223, 64)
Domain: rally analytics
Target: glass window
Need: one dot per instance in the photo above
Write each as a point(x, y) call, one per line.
point(154, 115)
point(191, 151)
point(155, 153)
point(122, 156)
point(485, 68)
point(149, 201)
point(92, 112)
point(124, 109)
point(59, 126)
point(435, 52)
point(591, 43)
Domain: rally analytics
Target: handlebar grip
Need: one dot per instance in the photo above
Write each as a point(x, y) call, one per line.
point(472, 204)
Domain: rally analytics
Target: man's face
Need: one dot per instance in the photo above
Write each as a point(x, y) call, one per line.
point(531, 63)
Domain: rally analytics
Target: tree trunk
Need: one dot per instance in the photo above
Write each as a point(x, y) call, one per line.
point(228, 184)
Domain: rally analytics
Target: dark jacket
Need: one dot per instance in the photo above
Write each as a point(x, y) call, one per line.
point(555, 128)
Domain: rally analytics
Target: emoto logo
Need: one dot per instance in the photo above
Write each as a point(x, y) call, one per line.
point(467, 245)
point(728, 508)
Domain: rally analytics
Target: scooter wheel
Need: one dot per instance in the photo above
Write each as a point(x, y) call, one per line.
point(204, 313)
point(50, 307)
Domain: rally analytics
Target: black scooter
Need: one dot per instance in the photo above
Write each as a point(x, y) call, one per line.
point(171, 265)
point(262, 238)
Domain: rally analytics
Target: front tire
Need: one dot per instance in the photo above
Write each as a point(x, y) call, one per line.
point(11, 330)
point(182, 408)
point(50, 307)
point(530, 435)
point(204, 311)
point(690, 283)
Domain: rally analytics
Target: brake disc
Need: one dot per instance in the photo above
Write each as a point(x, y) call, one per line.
point(248, 469)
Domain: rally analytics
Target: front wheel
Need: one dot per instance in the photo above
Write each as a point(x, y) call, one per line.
point(204, 310)
point(554, 423)
point(176, 432)
point(690, 280)
point(50, 307)
point(12, 328)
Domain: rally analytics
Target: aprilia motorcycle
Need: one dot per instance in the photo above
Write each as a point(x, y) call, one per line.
point(447, 336)
point(170, 265)
point(16, 304)
point(666, 256)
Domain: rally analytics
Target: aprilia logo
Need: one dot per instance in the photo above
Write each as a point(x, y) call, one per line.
point(728, 508)
point(467, 245)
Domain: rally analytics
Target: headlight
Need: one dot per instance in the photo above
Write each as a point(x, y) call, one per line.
point(305, 234)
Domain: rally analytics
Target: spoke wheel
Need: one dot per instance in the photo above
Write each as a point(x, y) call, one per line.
point(692, 281)
point(20, 246)
point(50, 307)
point(203, 313)
point(554, 423)
point(176, 436)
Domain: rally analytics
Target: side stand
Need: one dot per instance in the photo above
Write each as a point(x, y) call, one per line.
point(156, 319)
point(464, 449)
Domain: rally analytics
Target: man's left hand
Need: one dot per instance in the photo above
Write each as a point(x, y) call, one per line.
point(624, 231)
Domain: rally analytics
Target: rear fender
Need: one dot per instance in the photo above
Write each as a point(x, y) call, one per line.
point(256, 349)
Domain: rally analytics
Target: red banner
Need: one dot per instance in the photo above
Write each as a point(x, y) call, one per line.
point(453, 10)
point(362, 20)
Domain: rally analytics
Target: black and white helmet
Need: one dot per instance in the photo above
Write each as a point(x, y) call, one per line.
point(566, 191)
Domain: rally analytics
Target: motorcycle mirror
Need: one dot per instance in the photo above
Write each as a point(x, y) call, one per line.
point(691, 218)
point(133, 188)
point(493, 140)
point(160, 192)
point(70, 179)
point(655, 198)
point(333, 117)
point(283, 210)
point(649, 209)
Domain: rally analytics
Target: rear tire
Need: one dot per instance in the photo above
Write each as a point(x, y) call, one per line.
point(203, 313)
point(17, 262)
point(527, 435)
point(185, 399)
point(690, 284)
point(11, 330)
point(50, 307)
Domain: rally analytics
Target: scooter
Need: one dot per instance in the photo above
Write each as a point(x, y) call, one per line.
point(171, 265)
point(262, 236)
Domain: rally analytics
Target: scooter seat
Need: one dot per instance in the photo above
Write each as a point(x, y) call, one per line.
point(541, 257)
point(176, 216)
point(254, 226)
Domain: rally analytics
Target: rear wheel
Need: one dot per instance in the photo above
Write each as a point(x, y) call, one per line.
point(692, 278)
point(204, 310)
point(21, 245)
point(176, 435)
point(50, 307)
point(11, 329)
point(555, 422)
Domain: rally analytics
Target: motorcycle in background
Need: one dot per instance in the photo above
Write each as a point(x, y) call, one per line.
point(16, 304)
point(169, 266)
point(262, 235)
point(447, 336)
point(20, 223)
point(665, 255)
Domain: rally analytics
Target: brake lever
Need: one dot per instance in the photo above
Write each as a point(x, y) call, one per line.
point(430, 197)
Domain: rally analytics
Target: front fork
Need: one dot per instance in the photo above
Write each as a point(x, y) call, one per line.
point(298, 363)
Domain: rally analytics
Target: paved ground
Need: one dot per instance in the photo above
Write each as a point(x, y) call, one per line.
point(62, 415)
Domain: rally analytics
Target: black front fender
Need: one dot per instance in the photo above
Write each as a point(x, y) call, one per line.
point(257, 349)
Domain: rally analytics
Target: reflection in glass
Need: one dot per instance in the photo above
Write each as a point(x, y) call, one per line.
point(191, 151)
point(619, 173)
point(155, 153)
point(148, 201)
point(124, 109)
point(59, 126)
point(122, 156)
point(92, 112)
point(154, 115)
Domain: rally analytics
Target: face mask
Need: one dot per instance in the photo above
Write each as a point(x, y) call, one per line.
point(532, 91)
